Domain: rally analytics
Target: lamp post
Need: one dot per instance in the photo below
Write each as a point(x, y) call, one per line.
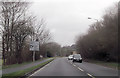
point(92, 18)
point(98, 24)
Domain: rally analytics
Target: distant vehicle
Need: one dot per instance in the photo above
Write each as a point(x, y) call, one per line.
point(77, 58)
point(70, 57)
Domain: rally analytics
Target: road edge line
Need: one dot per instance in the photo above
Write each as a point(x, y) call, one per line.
point(41, 68)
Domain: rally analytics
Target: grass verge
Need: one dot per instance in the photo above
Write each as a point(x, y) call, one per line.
point(17, 65)
point(0, 63)
point(23, 72)
point(113, 65)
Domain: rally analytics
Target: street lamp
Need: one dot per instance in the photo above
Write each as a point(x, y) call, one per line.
point(89, 18)
point(98, 24)
point(92, 18)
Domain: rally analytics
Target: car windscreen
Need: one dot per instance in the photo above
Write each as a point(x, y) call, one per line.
point(77, 56)
point(71, 56)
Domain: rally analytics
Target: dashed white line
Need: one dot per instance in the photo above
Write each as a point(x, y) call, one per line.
point(70, 62)
point(74, 65)
point(80, 69)
point(90, 75)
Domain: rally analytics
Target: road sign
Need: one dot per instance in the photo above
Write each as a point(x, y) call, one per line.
point(34, 46)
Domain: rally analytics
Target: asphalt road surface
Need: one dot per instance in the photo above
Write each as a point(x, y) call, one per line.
point(64, 67)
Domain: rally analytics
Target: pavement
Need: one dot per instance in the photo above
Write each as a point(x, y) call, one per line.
point(22, 67)
point(64, 67)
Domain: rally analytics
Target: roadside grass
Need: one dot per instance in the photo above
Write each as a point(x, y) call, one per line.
point(0, 63)
point(23, 72)
point(14, 65)
point(17, 65)
point(119, 66)
point(113, 65)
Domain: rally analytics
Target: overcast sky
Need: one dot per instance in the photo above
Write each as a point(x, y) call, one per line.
point(66, 19)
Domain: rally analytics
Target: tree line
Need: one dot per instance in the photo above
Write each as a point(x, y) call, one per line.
point(101, 40)
point(18, 27)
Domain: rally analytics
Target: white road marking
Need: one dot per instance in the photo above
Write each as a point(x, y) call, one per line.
point(74, 65)
point(70, 62)
point(80, 69)
point(90, 75)
point(40, 69)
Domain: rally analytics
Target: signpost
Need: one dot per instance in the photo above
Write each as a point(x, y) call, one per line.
point(34, 46)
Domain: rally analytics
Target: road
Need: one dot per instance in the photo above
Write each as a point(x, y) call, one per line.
point(64, 67)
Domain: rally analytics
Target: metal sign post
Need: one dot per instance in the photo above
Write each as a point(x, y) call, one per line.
point(34, 46)
point(33, 56)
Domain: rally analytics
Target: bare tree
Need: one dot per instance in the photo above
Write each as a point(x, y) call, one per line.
point(40, 32)
point(16, 27)
point(102, 38)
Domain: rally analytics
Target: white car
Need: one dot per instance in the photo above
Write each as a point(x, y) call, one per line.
point(70, 57)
